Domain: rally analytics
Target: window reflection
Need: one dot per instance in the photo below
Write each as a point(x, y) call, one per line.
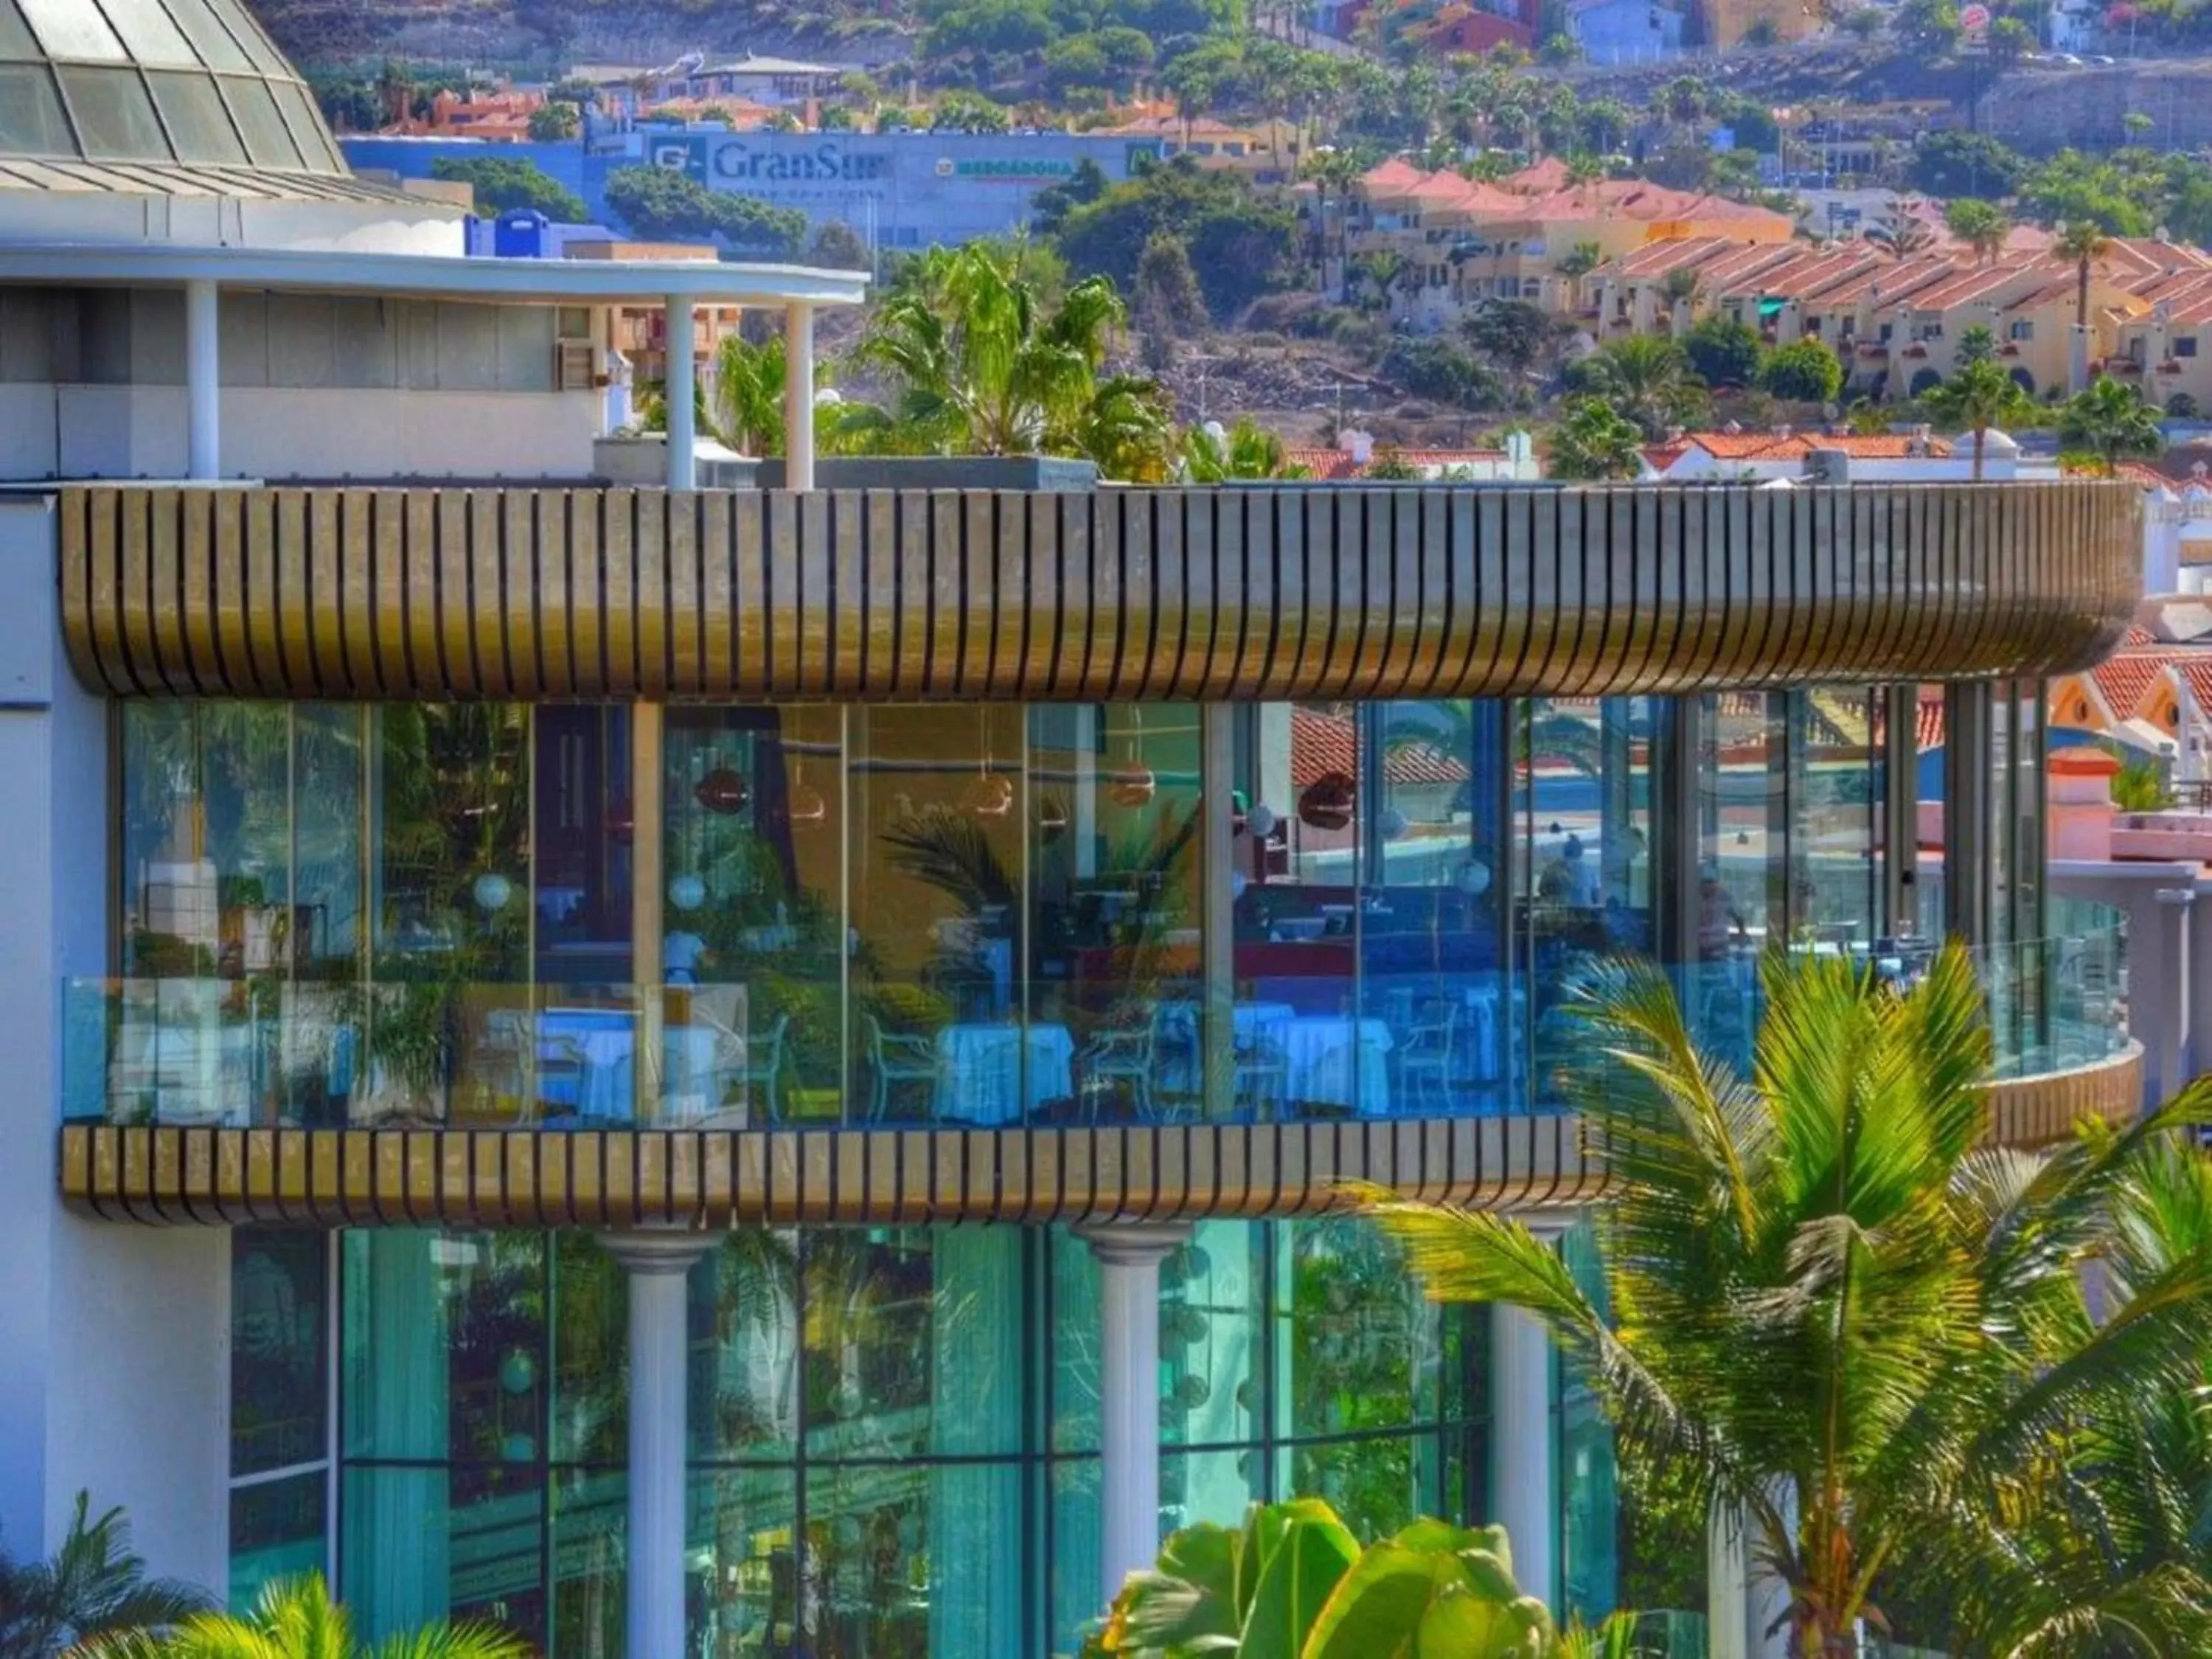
point(1589, 873)
point(752, 942)
point(944, 1497)
point(939, 806)
point(1115, 868)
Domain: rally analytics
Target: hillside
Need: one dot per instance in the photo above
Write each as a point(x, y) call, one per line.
point(332, 34)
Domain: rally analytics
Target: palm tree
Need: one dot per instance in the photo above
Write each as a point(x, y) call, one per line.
point(748, 399)
point(983, 369)
point(94, 1590)
point(1830, 1295)
point(1594, 443)
point(2112, 421)
point(1247, 450)
point(1333, 173)
point(1647, 380)
point(1981, 226)
point(1576, 263)
point(2084, 242)
point(1979, 396)
point(296, 1618)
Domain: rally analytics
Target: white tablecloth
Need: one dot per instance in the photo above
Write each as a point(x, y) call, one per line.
point(979, 1071)
point(1253, 1024)
point(1317, 1053)
point(606, 1041)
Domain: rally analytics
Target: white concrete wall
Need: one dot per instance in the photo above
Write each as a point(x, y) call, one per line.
point(422, 225)
point(114, 1371)
point(138, 432)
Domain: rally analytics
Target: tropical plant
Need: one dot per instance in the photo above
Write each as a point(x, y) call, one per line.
point(2112, 421)
point(1723, 351)
point(1982, 226)
point(1576, 263)
point(981, 367)
point(1805, 370)
point(2140, 786)
point(1593, 443)
point(1246, 450)
point(1977, 396)
point(1292, 1583)
point(746, 410)
point(1646, 377)
point(93, 1590)
point(1859, 1329)
point(296, 1618)
point(1333, 173)
point(2084, 242)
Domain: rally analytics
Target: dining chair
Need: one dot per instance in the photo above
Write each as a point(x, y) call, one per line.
point(1425, 1056)
point(897, 1058)
point(1120, 1057)
point(1261, 1076)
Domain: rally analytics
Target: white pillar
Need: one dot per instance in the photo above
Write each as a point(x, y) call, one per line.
point(798, 396)
point(677, 390)
point(1129, 1256)
point(202, 380)
point(656, 1263)
point(2077, 357)
point(1728, 1585)
point(1523, 1439)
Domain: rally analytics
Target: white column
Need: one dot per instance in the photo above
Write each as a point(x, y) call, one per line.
point(656, 1263)
point(2077, 357)
point(1523, 1437)
point(677, 389)
point(1728, 1584)
point(1129, 1256)
point(798, 396)
point(202, 380)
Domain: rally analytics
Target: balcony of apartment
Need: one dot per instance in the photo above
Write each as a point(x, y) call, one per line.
point(593, 855)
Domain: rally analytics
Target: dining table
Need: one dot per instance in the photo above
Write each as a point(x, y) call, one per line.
point(980, 1069)
point(587, 1061)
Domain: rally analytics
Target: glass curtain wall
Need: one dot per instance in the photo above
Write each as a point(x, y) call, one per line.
point(1591, 858)
point(993, 914)
point(280, 1393)
point(894, 1431)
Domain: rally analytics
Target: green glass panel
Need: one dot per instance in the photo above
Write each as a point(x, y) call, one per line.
point(73, 28)
point(267, 139)
point(16, 38)
point(114, 115)
point(149, 35)
point(197, 120)
point(31, 118)
point(279, 1352)
point(278, 1530)
point(216, 45)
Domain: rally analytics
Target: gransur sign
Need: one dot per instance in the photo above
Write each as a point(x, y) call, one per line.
point(740, 161)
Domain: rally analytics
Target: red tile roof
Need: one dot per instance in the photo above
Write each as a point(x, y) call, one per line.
point(1771, 446)
point(2126, 679)
point(1323, 741)
point(1337, 464)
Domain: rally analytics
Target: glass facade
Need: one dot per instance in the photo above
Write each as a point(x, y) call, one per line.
point(894, 1431)
point(280, 1391)
point(577, 914)
point(187, 81)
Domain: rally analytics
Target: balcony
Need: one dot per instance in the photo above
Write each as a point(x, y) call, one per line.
point(251, 1099)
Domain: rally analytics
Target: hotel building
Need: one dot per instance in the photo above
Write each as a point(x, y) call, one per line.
point(699, 1071)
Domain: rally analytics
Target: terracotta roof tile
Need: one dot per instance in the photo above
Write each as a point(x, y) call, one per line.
point(2125, 679)
point(1323, 741)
